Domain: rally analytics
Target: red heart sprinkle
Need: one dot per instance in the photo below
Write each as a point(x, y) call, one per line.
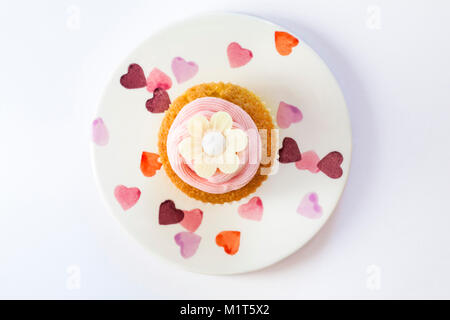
point(284, 42)
point(289, 152)
point(169, 214)
point(331, 164)
point(134, 78)
point(229, 240)
point(150, 163)
point(160, 101)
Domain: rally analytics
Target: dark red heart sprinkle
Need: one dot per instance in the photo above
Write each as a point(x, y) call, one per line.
point(331, 164)
point(134, 78)
point(160, 101)
point(169, 214)
point(289, 152)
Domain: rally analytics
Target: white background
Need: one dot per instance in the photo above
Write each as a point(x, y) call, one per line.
point(389, 237)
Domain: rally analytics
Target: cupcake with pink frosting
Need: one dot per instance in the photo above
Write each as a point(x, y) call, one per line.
point(211, 147)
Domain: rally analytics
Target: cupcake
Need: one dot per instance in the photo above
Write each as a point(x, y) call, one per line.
point(215, 142)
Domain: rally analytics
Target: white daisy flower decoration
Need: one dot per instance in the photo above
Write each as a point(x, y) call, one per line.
point(213, 144)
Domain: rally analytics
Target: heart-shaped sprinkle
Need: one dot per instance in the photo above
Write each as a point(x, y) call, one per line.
point(309, 161)
point(183, 70)
point(192, 219)
point(252, 210)
point(150, 163)
point(159, 103)
point(288, 114)
point(169, 214)
point(284, 42)
point(127, 197)
point(289, 152)
point(309, 206)
point(134, 78)
point(238, 56)
point(100, 134)
point(188, 243)
point(229, 240)
point(158, 79)
point(331, 164)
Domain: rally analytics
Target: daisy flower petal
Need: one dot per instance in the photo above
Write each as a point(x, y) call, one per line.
point(237, 140)
point(205, 169)
point(221, 121)
point(230, 163)
point(185, 149)
point(197, 125)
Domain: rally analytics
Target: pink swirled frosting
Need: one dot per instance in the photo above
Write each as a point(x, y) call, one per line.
point(249, 158)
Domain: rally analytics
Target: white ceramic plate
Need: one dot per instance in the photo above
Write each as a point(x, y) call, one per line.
point(296, 201)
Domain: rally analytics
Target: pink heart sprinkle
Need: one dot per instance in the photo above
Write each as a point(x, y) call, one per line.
point(100, 134)
point(288, 114)
point(309, 161)
point(188, 243)
point(183, 70)
point(309, 206)
point(192, 219)
point(127, 197)
point(252, 210)
point(238, 56)
point(158, 79)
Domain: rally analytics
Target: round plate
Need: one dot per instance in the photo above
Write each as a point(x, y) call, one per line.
point(295, 201)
